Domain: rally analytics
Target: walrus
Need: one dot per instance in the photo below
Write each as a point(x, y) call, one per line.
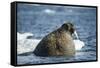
point(57, 43)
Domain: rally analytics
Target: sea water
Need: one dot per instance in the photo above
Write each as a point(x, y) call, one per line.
point(39, 21)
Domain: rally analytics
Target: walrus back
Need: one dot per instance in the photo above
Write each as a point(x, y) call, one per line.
point(57, 43)
point(41, 49)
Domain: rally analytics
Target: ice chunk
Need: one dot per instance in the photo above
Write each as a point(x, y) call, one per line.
point(25, 45)
point(78, 44)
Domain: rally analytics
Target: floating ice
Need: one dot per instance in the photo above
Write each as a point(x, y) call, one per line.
point(78, 44)
point(23, 35)
point(25, 45)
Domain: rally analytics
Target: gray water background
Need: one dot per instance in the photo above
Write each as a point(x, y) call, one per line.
point(43, 19)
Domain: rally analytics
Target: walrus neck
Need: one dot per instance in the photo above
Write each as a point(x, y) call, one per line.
point(69, 33)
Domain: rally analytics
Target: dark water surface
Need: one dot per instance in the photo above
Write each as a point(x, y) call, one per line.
point(41, 20)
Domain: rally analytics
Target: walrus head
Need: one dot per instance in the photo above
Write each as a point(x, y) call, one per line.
point(68, 27)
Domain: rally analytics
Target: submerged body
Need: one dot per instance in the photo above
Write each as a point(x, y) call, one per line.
point(57, 43)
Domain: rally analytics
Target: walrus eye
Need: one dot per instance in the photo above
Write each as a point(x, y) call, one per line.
point(68, 27)
point(65, 26)
point(71, 28)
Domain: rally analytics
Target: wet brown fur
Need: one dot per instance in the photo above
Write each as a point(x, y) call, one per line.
point(57, 43)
